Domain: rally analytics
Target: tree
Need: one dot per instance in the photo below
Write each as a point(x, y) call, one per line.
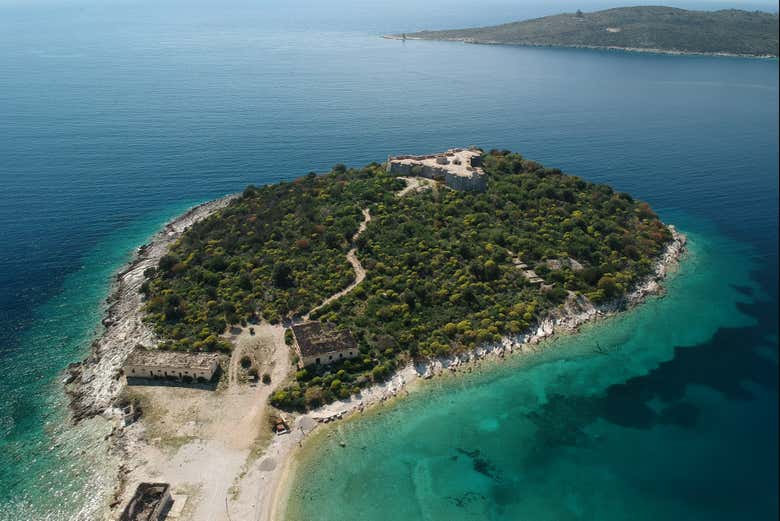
point(608, 285)
point(167, 262)
point(491, 270)
point(282, 275)
point(332, 239)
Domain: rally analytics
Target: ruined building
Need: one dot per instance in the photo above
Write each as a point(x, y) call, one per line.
point(316, 344)
point(151, 502)
point(458, 168)
point(170, 365)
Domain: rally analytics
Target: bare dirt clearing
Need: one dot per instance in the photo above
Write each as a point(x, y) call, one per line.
point(415, 184)
point(202, 441)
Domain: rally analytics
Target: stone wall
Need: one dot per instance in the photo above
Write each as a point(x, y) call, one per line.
point(171, 373)
point(474, 182)
point(399, 169)
point(328, 358)
point(406, 169)
point(419, 166)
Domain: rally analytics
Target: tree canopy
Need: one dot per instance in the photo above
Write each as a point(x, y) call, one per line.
point(441, 265)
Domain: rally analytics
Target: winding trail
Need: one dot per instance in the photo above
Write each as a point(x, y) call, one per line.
point(360, 272)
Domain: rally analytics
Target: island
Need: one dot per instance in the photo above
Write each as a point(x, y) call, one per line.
point(252, 319)
point(647, 28)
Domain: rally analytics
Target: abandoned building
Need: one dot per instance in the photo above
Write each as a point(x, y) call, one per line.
point(151, 502)
point(170, 365)
point(316, 343)
point(458, 168)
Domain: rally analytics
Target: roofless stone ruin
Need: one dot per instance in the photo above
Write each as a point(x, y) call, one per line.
point(458, 168)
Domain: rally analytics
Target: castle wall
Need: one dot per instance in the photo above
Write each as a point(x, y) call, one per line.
point(432, 172)
point(405, 169)
point(399, 168)
point(446, 167)
point(475, 182)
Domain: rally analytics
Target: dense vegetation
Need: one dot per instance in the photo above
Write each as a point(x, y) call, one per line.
point(440, 263)
point(726, 31)
point(275, 251)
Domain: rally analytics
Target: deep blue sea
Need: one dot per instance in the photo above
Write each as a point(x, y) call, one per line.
point(115, 118)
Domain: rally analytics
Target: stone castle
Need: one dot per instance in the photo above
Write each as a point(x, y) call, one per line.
point(458, 168)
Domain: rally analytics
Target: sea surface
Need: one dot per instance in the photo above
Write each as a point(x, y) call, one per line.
point(116, 117)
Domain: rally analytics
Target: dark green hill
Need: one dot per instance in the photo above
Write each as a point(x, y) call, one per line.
point(652, 28)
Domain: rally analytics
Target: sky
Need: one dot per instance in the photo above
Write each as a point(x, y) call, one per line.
point(375, 16)
point(477, 8)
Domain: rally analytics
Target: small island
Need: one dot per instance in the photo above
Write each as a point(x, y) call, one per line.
point(251, 319)
point(647, 28)
point(444, 269)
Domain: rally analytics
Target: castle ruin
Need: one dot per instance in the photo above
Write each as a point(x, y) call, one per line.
point(458, 168)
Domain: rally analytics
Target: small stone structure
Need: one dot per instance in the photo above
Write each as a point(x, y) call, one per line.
point(528, 273)
point(151, 502)
point(316, 344)
point(129, 414)
point(532, 277)
point(170, 365)
point(458, 168)
point(568, 262)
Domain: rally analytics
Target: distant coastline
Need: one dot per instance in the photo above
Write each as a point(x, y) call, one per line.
point(651, 29)
point(644, 50)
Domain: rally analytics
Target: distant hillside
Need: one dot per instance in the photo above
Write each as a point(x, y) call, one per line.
point(640, 28)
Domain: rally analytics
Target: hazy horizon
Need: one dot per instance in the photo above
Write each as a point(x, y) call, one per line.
point(344, 15)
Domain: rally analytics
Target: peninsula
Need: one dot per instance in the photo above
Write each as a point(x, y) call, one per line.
point(299, 302)
point(648, 28)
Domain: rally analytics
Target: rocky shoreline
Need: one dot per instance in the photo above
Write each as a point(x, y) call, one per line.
point(575, 312)
point(565, 320)
point(94, 383)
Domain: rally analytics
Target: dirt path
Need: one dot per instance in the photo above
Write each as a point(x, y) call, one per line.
point(360, 272)
point(235, 356)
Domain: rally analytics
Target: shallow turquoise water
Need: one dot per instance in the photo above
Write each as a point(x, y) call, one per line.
point(115, 117)
point(644, 432)
point(52, 469)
